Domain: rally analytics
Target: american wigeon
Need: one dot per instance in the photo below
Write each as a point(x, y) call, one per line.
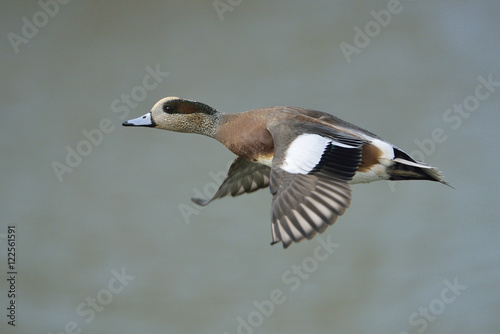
point(308, 158)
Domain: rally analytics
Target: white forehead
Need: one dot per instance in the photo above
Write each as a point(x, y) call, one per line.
point(165, 99)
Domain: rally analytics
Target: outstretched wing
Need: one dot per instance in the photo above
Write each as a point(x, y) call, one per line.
point(309, 178)
point(305, 204)
point(244, 176)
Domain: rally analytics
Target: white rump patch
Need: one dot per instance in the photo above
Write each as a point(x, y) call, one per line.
point(305, 152)
point(386, 148)
point(387, 151)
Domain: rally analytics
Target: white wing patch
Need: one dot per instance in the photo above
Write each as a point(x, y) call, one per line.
point(305, 152)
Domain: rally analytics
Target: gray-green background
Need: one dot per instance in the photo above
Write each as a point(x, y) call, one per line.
point(120, 207)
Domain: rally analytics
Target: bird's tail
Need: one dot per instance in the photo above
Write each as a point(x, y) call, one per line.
point(406, 168)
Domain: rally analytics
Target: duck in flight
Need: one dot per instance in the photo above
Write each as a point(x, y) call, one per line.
point(307, 158)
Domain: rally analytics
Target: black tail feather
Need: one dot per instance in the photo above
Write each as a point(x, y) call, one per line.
point(406, 168)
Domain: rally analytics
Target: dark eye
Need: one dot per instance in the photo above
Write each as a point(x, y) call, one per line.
point(167, 108)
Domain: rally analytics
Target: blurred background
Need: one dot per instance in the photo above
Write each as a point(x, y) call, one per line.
point(108, 240)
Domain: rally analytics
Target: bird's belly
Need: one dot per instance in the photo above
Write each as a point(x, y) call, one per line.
point(374, 173)
point(265, 159)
